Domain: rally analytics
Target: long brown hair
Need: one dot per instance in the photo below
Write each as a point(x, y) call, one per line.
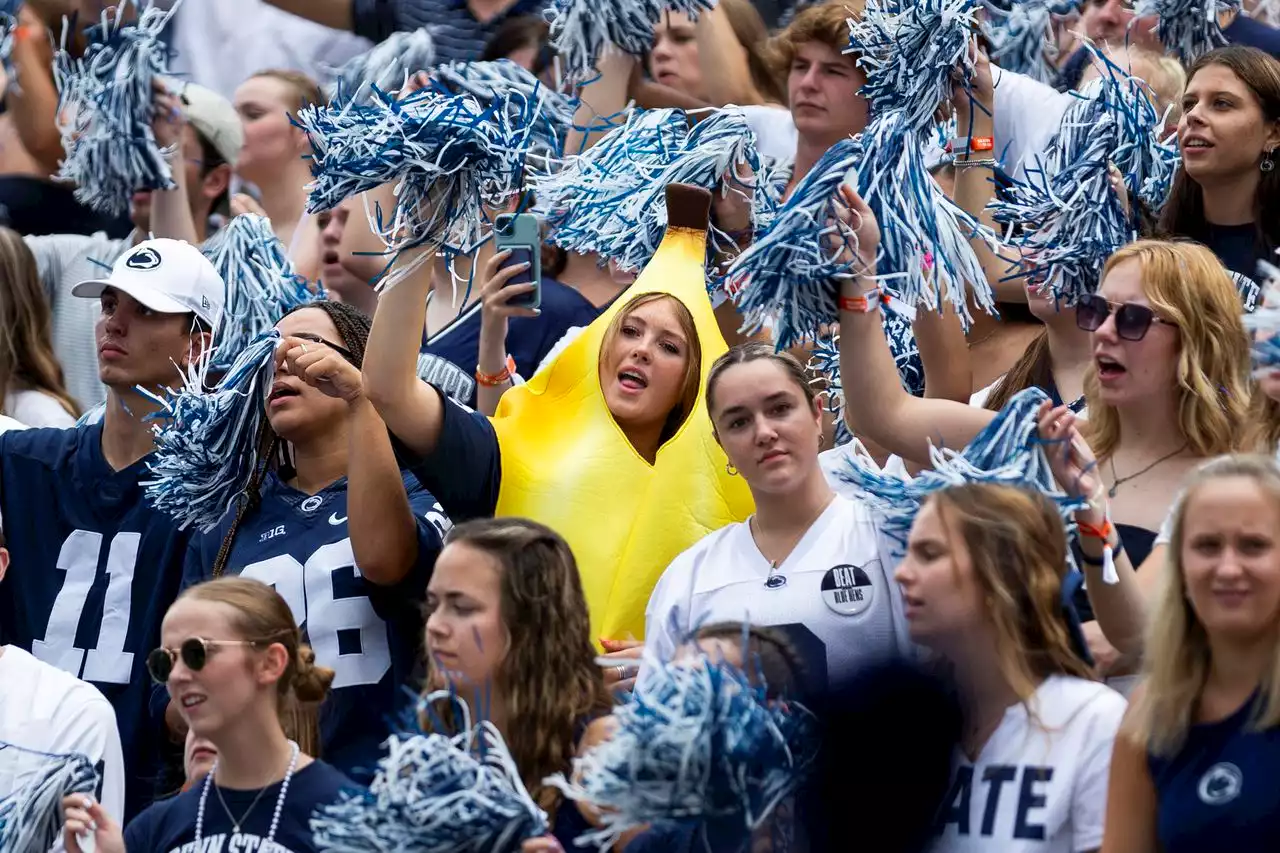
point(263, 616)
point(1017, 547)
point(753, 35)
point(549, 682)
point(1183, 213)
point(26, 356)
point(1033, 369)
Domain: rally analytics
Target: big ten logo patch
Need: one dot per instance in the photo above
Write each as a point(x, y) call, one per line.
point(848, 590)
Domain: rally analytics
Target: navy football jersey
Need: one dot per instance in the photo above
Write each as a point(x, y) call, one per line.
point(370, 636)
point(94, 569)
point(448, 358)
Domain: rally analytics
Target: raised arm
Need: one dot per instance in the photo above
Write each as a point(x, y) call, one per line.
point(171, 209)
point(32, 97)
point(726, 76)
point(409, 407)
point(876, 404)
point(601, 101)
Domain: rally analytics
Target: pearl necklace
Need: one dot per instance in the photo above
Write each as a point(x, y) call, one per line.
point(275, 818)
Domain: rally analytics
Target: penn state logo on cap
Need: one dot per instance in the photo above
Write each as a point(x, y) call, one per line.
point(145, 258)
point(848, 589)
point(1220, 784)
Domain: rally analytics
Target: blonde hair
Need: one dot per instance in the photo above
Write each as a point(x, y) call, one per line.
point(305, 91)
point(262, 615)
point(1187, 286)
point(1177, 657)
point(693, 365)
point(1017, 547)
point(26, 343)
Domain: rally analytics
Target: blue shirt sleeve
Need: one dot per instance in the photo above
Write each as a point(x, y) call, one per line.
point(373, 19)
point(1252, 33)
point(464, 471)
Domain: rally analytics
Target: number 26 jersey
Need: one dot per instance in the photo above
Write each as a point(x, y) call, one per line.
point(369, 635)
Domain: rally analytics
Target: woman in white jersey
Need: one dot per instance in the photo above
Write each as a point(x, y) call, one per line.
point(982, 583)
point(808, 561)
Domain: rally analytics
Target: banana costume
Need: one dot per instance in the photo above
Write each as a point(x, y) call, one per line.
point(567, 463)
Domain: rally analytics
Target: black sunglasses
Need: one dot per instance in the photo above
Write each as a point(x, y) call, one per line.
point(340, 350)
point(1132, 321)
point(194, 653)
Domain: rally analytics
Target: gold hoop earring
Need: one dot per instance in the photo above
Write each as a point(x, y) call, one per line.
point(730, 470)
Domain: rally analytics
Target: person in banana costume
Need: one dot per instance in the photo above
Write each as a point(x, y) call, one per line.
point(609, 444)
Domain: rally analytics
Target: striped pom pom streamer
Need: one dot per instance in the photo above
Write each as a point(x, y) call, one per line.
point(1008, 452)
point(1068, 216)
point(385, 68)
point(447, 155)
point(581, 30)
point(1264, 322)
point(1187, 28)
point(487, 82)
point(699, 741)
point(35, 783)
point(1022, 36)
point(105, 109)
point(436, 794)
point(206, 441)
point(261, 283)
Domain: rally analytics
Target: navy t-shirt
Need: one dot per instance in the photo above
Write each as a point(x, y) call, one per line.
point(1252, 33)
point(464, 471)
point(170, 826)
point(1236, 247)
point(94, 569)
point(1222, 790)
point(369, 635)
point(448, 358)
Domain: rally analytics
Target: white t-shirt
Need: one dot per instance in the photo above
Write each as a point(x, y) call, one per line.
point(838, 605)
point(776, 134)
point(1040, 783)
point(1027, 114)
point(37, 409)
point(45, 709)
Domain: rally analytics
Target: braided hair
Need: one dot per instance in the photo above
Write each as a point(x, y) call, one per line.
point(353, 327)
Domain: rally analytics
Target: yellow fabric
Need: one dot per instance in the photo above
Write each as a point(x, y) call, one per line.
point(567, 463)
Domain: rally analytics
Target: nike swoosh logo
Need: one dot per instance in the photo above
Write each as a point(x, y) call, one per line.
point(335, 521)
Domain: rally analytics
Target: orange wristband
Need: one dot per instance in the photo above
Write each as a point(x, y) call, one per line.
point(1103, 533)
point(982, 143)
point(864, 304)
point(496, 379)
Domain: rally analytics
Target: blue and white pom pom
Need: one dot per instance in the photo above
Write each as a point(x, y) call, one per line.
point(31, 816)
point(261, 283)
point(447, 155)
point(1022, 36)
point(105, 109)
point(1008, 452)
point(581, 30)
point(700, 741)
point(436, 794)
point(1068, 217)
point(206, 441)
point(490, 81)
point(585, 200)
point(8, 29)
point(386, 68)
point(910, 52)
point(1187, 28)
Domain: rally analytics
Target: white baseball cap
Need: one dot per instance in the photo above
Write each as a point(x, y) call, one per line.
point(211, 114)
point(169, 276)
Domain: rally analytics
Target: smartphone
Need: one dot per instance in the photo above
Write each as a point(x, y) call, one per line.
point(521, 235)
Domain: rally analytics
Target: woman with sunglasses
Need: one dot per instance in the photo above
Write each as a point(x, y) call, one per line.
point(232, 658)
point(329, 469)
point(1166, 388)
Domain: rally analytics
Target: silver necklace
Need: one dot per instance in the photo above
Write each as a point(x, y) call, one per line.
point(275, 818)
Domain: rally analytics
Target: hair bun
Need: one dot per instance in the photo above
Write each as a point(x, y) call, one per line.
point(310, 682)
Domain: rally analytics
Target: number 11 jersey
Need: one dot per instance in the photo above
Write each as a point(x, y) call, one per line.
point(93, 570)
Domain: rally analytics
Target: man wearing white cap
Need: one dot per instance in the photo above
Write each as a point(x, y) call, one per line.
point(208, 135)
point(95, 567)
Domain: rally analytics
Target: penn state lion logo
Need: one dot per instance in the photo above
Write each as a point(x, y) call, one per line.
point(144, 259)
point(1220, 784)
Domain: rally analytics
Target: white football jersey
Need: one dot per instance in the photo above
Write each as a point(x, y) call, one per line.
point(834, 595)
point(45, 709)
point(1039, 785)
